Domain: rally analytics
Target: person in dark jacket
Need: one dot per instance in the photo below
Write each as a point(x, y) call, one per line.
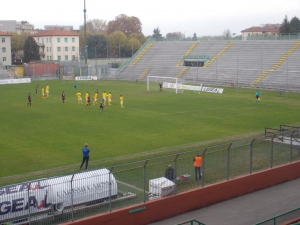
point(170, 173)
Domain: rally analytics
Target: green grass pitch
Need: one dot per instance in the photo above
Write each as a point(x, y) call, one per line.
point(49, 134)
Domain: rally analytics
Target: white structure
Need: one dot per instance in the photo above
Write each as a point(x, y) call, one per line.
point(5, 48)
point(58, 44)
point(265, 29)
point(17, 26)
point(161, 187)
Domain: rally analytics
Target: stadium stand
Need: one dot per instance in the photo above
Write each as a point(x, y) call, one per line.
point(259, 63)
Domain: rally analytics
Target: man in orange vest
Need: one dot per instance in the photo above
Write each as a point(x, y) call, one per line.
point(197, 165)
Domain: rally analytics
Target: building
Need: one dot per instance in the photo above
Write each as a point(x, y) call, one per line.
point(16, 26)
point(55, 27)
point(265, 29)
point(5, 48)
point(58, 44)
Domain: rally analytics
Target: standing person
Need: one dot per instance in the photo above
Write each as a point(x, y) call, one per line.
point(78, 94)
point(197, 165)
point(160, 87)
point(121, 101)
point(43, 92)
point(75, 86)
point(257, 94)
point(86, 156)
point(86, 97)
point(101, 106)
point(47, 90)
point(104, 96)
point(88, 101)
point(109, 98)
point(63, 97)
point(96, 95)
point(29, 100)
point(170, 173)
point(36, 88)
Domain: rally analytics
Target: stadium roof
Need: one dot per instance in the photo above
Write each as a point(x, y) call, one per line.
point(54, 32)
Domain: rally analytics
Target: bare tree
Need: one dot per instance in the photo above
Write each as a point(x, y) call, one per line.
point(227, 33)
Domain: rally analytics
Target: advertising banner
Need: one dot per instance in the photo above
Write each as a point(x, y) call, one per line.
point(86, 78)
point(16, 81)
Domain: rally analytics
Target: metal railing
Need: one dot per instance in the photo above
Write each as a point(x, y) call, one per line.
point(276, 220)
point(191, 222)
point(67, 198)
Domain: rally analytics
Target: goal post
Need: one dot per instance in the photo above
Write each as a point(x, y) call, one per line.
point(172, 84)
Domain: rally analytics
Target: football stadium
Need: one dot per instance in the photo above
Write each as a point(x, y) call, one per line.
point(234, 103)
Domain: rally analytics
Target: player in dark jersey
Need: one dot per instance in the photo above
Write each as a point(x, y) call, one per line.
point(29, 100)
point(101, 106)
point(63, 97)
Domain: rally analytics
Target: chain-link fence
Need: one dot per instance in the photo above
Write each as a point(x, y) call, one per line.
point(65, 198)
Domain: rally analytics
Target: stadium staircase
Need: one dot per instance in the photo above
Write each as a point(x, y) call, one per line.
point(191, 48)
point(276, 64)
point(145, 72)
point(218, 54)
point(182, 71)
point(142, 53)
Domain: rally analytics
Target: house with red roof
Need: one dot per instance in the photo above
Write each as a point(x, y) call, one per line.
point(266, 29)
point(58, 44)
point(5, 48)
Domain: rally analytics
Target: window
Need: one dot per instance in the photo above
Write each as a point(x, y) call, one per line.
point(66, 57)
point(47, 57)
point(50, 49)
point(73, 57)
point(47, 49)
point(59, 57)
point(73, 40)
point(66, 49)
point(58, 40)
point(50, 57)
point(46, 40)
point(43, 40)
point(66, 40)
point(3, 49)
point(58, 49)
point(49, 40)
point(73, 48)
point(3, 40)
point(4, 59)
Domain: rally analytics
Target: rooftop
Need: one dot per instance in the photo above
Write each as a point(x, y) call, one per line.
point(54, 32)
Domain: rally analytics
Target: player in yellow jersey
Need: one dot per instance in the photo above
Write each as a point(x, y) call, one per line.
point(86, 97)
point(96, 95)
point(47, 90)
point(43, 92)
point(104, 96)
point(121, 101)
point(109, 98)
point(79, 97)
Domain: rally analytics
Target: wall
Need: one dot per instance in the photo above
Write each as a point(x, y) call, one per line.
point(168, 207)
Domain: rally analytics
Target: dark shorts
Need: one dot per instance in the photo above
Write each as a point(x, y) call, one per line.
point(257, 97)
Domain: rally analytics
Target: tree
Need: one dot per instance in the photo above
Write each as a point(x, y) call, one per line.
point(156, 33)
point(132, 46)
point(117, 42)
point(142, 39)
point(81, 37)
point(174, 36)
point(95, 26)
point(18, 41)
point(127, 25)
point(31, 50)
point(227, 33)
point(285, 26)
point(295, 25)
point(195, 38)
point(97, 45)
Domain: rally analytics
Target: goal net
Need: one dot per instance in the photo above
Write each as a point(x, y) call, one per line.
point(157, 83)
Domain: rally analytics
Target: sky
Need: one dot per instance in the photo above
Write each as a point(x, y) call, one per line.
point(203, 17)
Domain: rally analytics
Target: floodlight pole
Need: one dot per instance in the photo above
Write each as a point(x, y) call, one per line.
point(197, 60)
point(85, 48)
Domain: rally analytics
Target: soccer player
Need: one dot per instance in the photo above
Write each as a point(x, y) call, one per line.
point(109, 98)
point(43, 92)
point(86, 97)
point(36, 88)
point(160, 87)
point(47, 90)
point(75, 86)
point(29, 99)
point(88, 103)
point(101, 106)
point(79, 97)
point(96, 95)
point(121, 101)
point(104, 96)
point(257, 96)
point(63, 97)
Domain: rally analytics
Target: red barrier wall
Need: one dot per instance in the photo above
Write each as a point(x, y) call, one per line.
point(184, 202)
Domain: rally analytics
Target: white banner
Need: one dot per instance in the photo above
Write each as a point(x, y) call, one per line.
point(172, 85)
point(192, 88)
point(86, 78)
point(16, 81)
point(213, 90)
